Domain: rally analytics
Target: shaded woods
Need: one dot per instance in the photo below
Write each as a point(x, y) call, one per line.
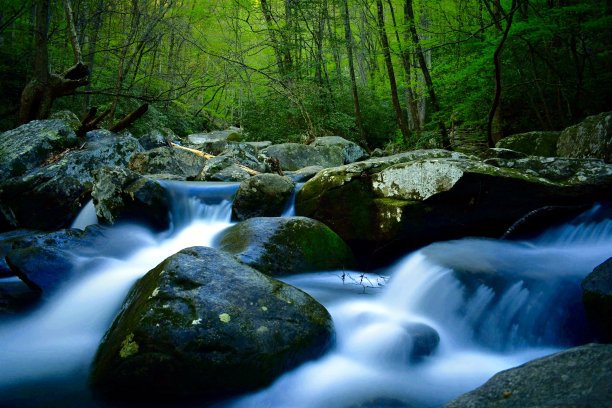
point(398, 73)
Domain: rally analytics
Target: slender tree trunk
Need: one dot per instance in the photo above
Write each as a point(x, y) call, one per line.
point(267, 13)
point(405, 54)
point(493, 137)
point(97, 22)
point(349, 50)
point(409, 12)
point(392, 83)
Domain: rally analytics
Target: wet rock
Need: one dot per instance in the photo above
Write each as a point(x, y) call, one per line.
point(156, 138)
point(425, 340)
point(16, 297)
point(590, 138)
point(294, 156)
point(532, 143)
point(285, 246)
point(578, 377)
point(6, 244)
point(167, 160)
point(304, 174)
point(51, 196)
point(597, 299)
point(203, 325)
point(264, 195)
point(123, 195)
point(387, 205)
point(30, 145)
point(351, 151)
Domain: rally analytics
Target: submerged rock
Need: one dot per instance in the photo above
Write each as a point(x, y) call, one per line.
point(285, 246)
point(122, 195)
point(578, 377)
point(590, 138)
point(294, 156)
point(201, 324)
point(263, 195)
point(597, 299)
point(51, 196)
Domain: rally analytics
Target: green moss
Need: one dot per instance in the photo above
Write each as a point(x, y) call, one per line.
point(128, 346)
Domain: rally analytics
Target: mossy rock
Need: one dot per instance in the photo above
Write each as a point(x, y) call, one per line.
point(590, 138)
point(263, 195)
point(597, 299)
point(201, 324)
point(532, 143)
point(283, 246)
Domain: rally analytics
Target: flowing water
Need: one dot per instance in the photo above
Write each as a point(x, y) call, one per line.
point(488, 305)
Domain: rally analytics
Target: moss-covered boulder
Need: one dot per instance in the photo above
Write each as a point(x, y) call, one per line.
point(122, 195)
point(288, 245)
point(590, 138)
point(578, 377)
point(201, 324)
point(69, 117)
point(30, 145)
point(351, 151)
point(597, 299)
point(386, 205)
point(294, 156)
point(532, 143)
point(50, 196)
point(167, 160)
point(264, 195)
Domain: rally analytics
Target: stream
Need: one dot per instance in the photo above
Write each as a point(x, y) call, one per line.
point(491, 304)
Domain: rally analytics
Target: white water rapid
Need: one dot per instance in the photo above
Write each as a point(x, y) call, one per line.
point(492, 305)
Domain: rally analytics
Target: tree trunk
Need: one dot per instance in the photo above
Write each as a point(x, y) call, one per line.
point(392, 83)
point(493, 135)
point(409, 13)
point(349, 50)
point(267, 13)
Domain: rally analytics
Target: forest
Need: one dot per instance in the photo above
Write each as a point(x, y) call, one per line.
point(401, 74)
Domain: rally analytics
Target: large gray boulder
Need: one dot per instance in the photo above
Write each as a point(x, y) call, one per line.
point(167, 160)
point(202, 324)
point(578, 377)
point(50, 196)
point(294, 156)
point(409, 200)
point(30, 145)
point(123, 195)
point(235, 163)
point(590, 138)
point(351, 151)
point(216, 141)
point(263, 195)
point(288, 245)
point(597, 299)
point(532, 143)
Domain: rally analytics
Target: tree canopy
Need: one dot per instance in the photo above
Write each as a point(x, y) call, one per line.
point(412, 73)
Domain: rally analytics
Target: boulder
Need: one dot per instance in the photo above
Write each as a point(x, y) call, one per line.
point(201, 324)
point(167, 160)
point(44, 261)
point(230, 164)
point(285, 246)
point(386, 205)
point(69, 117)
point(16, 297)
point(264, 195)
point(532, 143)
point(122, 195)
point(230, 134)
point(597, 299)
point(590, 138)
point(501, 153)
point(156, 138)
point(6, 244)
point(294, 156)
point(30, 145)
point(578, 377)
point(50, 196)
point(351, 151)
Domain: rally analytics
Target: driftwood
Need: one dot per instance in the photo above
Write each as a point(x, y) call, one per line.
point(210, 156)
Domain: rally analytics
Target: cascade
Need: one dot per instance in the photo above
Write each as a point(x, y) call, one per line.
point(438, 323)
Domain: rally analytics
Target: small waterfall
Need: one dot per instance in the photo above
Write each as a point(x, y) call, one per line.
point(86, 217)
point(493, 305)
point(50, 349)
point(290, 208)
